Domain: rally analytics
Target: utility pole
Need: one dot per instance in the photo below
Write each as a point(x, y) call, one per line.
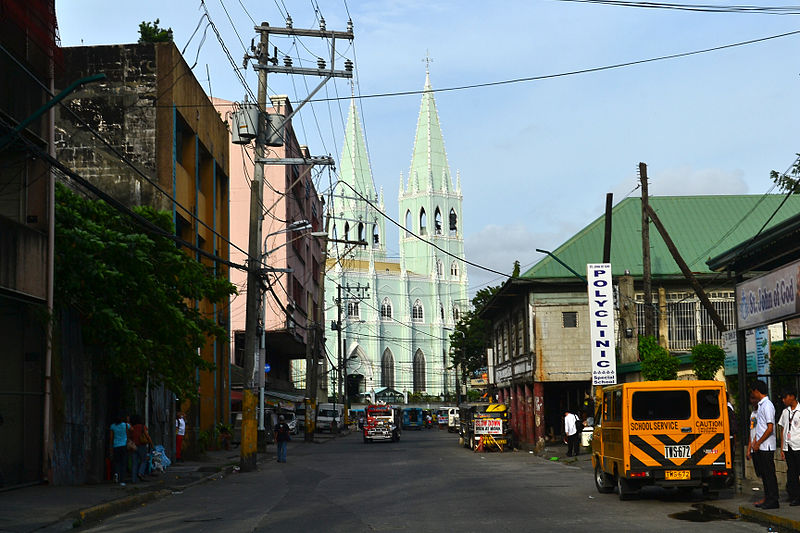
point(356, 293)
point(249, 443)
point(607, 235)
point(264, 65)
point(698, 289)
point(649, 316)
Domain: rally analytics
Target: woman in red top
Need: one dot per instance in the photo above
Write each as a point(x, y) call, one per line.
point(141, 437)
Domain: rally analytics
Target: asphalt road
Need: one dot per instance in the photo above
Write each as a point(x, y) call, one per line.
point(425, 482)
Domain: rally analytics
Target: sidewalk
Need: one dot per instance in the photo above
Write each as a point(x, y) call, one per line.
point(48, 508)
point(729, 502)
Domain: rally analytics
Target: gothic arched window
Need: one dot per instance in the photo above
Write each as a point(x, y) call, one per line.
point(456, 313)
point(419, 371)
point(353, 310)
point(347, 231)
point(439, 268)
point(453, 222)
point(423, 222)
point(454, 269)
point(417, 313)
point(437, 222)
point(376, 238)
point(408, 221)
point(441, 311)
point(387, 369)
point(386, 309)
point(361, 237)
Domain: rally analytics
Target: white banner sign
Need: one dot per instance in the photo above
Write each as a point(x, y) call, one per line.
point(601, 324)
point(488, 426)
point(768, 298)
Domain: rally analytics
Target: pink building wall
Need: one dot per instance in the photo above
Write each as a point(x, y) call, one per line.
point(289, 196)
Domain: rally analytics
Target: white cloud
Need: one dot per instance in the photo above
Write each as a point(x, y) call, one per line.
point(685, 181)
point(498, 246)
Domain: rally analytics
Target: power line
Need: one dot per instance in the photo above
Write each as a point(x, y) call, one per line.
point(433, 244)
point(707, 8)
point(573, 72)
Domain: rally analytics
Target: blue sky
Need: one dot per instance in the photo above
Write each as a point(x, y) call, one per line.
point(536, 159)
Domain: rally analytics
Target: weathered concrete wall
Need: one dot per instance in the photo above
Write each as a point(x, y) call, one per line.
point(122, 110)
point(563, 354)
point(23, 266)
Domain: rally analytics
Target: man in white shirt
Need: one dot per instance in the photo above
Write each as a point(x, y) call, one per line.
point(571, 433)
point(764, 444)
point(790, 444)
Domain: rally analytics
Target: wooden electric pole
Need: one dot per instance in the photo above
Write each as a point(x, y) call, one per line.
point(647, 281)
point(255, 270)
point(607, 235)
point(249, 445)
point(687, 273)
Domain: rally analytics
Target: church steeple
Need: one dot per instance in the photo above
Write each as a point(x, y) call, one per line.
point(429, 167)
point(355, 161)
point(354, 219)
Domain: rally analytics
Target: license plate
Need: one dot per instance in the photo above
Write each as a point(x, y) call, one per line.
point(675, 475)
point(680, 451)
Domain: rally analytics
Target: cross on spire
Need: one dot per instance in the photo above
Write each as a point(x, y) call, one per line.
point(428, 60)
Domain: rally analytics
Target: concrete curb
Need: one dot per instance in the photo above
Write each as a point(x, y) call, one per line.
point(120, 505)
point(762, 517)
point(114, 507)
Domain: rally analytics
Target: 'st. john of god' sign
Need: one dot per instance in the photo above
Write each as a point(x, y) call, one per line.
point(601, 324)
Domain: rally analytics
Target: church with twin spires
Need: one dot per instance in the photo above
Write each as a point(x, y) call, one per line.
point(398, 335)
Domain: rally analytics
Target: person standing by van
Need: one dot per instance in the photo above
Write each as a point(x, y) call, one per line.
point(571, 433)
point(790, 444)
point(764, 445)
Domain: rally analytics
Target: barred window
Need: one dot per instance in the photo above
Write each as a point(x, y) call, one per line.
point(417, 313)
point(386, 309)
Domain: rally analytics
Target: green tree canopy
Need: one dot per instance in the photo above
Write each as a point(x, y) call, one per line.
point(472, 335)
point(151, 33)
point(657, 363)
point(135, 292)
point(788, 181)
point(707, 359)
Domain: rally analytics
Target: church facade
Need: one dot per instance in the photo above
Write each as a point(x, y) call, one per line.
point(397, 333)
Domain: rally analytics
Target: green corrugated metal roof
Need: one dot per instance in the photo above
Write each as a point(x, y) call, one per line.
point(700, 226)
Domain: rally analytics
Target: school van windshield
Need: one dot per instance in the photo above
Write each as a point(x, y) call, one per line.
point(661, 405)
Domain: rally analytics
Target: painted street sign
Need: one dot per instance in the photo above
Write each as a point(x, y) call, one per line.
point(601, 324)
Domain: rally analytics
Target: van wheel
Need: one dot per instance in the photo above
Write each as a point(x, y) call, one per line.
point(623, 489)
point(602, 481)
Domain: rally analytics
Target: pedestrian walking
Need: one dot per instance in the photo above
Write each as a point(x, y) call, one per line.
point(571, 433)
point(281, 438)
point(764, 444)
point(141, 437)
point(790, 444)
point(752, 438)
point(180, 431)
point(118, 440)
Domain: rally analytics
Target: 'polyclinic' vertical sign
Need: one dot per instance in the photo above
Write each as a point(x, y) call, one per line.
point(601, 324)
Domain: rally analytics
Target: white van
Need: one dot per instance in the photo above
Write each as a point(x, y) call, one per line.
point(330, 416)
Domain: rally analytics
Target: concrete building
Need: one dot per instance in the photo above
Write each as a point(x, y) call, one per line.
point(30, 54)
point(399, 335)
point(152, 110)
point(540, 354)
point(292, 305)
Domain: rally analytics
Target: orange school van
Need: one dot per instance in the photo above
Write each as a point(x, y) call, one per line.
point(665, 433)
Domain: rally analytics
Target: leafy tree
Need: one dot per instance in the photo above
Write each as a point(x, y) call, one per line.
point(151, 33)
point(472, 335)
point(784, 359)
point(135, 293)
point(788, 181)
point(657, 363)
point(707, 359)
point(515, 273)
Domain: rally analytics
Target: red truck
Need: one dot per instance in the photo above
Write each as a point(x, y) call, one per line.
point(382, 423)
